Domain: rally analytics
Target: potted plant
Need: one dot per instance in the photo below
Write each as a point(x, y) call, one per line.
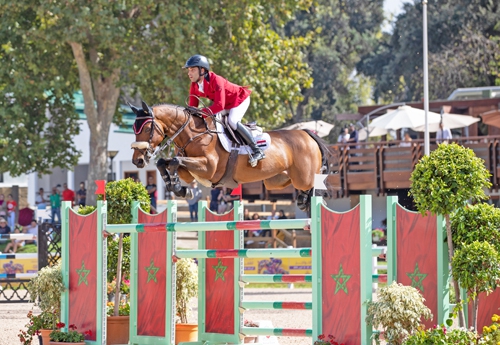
point(72, 336)
point(44, 321)
point(45, 291)
point(398, 310)
point(186, 289)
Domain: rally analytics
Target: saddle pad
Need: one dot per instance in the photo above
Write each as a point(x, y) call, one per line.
point(263, 140)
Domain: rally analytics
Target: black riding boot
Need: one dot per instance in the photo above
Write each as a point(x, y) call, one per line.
point(247, 136)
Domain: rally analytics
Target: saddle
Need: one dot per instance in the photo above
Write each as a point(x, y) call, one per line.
point(231, 140)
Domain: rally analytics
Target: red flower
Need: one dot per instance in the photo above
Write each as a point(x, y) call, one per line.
point(72, 327)
point(60, 325)
point(88, 333)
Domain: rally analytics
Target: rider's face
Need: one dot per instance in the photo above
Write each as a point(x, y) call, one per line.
point(194, 74)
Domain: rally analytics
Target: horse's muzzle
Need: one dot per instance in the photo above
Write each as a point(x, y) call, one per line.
point(139, 162)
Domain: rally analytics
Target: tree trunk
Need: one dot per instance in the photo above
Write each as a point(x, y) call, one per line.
point(475, 304)
point(456, 287)
point(118, 276)
point(100, 96)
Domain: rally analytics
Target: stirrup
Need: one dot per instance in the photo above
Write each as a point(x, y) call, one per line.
point(253, 161)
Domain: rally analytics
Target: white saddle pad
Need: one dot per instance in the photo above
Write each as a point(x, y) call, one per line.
point(263, 140)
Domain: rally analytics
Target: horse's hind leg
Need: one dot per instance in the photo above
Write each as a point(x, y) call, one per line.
point(304, 200)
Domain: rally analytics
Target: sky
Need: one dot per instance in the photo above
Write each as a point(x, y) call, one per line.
point(394, 6)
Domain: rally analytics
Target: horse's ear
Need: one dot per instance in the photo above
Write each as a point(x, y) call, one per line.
point(147, 109)
point(134, 109)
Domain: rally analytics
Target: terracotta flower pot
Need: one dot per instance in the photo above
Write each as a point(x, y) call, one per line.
point(59, 343)
point(247, 340)
point(185, 332)
point(45, 334)
point(118, 329)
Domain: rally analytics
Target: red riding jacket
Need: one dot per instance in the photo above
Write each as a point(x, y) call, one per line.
point(223, 93)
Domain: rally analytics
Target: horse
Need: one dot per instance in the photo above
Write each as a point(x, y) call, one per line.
point(293, 156)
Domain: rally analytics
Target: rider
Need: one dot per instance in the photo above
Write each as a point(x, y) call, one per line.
point(224, 95)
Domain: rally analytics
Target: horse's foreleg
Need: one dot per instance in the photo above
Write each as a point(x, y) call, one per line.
point(162, 165)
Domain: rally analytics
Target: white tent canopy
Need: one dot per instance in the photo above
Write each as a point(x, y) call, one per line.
point(321, 128)
point(451, 121)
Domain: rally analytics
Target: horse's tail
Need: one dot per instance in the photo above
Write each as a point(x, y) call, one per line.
point(327, 155)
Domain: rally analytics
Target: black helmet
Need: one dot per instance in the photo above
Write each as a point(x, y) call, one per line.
point(197, 61)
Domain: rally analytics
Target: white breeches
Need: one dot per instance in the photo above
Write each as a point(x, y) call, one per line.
point(236, 114)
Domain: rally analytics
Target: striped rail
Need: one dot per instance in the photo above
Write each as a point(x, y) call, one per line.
point(23, 237)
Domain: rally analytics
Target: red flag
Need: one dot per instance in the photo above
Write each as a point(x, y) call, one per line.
point(101, 187)
point(237, 192)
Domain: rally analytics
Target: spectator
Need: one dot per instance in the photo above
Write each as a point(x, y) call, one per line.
point(4, 228)
point(33, 230)
point(214, 203)
point(193, 203)
point(11, 211)
point(344, 136)
point(406, 141)
point(14, 245)
point(68, 194)
point(3, 206)
point(40, 201)
point(151, 188)
point(246, 214)
point(443, 134)
point(81, 195)
point(353, 136)
point(222, 201)
point(282, 215)
point(273, 216)
point(55, 205)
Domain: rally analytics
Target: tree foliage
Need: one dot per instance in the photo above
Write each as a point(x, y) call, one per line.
point(139, 46)
point(480, 222)
point(446, 179)
point(344, 30)
point(463, 45)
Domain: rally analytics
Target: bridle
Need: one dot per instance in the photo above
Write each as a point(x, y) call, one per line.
point(145, 148)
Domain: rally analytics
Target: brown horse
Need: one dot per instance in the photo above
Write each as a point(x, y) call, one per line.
point(293, 157)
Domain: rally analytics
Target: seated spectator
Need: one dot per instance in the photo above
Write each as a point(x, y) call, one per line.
point(4, 228)
point(14, 245)
point(40, 201)
point(282, 215)
point(406, 141)
point(33, 230)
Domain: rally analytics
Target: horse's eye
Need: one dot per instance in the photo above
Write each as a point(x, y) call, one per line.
point(147, 129)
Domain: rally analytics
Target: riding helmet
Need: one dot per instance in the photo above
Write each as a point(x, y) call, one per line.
point(197, 61)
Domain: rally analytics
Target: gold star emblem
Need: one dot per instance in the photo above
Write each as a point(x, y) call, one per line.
point(82, 275)
point(152, 270)
point(417, 278)
point(341, 280)
point(219, 271)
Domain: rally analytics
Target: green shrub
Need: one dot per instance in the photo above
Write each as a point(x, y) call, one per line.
point(120, 195)
point(480, 222)
point(398, 310)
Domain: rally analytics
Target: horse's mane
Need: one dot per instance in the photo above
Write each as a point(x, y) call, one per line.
point(173, 105)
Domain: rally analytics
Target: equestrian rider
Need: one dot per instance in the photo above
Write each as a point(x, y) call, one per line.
point(224, 95)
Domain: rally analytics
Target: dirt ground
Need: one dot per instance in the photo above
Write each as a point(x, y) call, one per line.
point(13, 316)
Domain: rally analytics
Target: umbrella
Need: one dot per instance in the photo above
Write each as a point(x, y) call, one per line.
point(364, 132)
point(404, 117)
point(321, 128)
point(451, 121)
